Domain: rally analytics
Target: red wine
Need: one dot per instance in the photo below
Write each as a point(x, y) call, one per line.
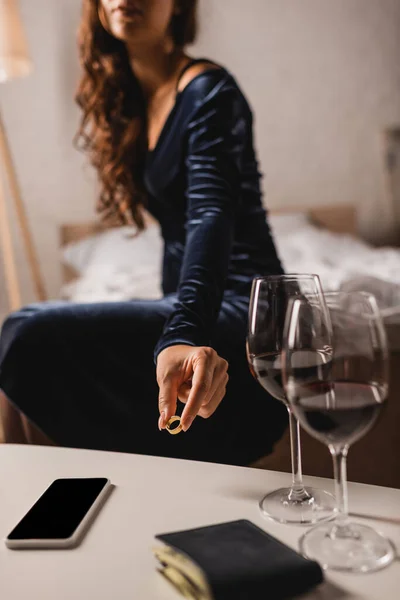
point(267, 369)
point(336, 413)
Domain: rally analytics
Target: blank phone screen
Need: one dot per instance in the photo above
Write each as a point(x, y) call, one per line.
point(58, 512)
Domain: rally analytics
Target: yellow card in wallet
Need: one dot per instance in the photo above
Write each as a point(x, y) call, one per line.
point(185, 575)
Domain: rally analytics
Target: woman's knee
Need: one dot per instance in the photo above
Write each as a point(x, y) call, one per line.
point(30, 324)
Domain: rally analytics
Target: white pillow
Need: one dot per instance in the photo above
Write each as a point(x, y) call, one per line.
point(336, 258)
point(115, 265)
point(104, 283)
point(286, 223)
point(119, 248)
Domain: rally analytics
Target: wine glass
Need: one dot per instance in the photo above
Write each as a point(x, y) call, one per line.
point(267, 310)
point(337, 402)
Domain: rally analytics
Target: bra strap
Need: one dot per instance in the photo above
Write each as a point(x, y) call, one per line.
point(192, 61)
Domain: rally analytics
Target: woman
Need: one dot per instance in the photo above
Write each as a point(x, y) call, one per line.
point(173, 135)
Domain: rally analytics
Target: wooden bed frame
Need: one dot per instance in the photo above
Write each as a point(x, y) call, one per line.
point(341, 218)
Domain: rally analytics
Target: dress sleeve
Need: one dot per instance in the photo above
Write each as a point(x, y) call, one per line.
point(215, 139)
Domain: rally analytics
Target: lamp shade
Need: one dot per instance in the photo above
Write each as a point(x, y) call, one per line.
point(14, 55)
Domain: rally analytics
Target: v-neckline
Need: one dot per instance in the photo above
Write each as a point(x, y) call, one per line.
point(178, 96)
point(152, 150)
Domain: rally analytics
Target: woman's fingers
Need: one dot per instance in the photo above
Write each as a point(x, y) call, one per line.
point(211, 406)
point(219, 378)
point(217, 391)
point(195, 375)
point(208, 387)
point(203, 368)
point(167, 399)
point(184, 391)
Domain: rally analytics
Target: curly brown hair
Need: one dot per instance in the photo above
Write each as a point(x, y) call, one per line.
point(113, 126)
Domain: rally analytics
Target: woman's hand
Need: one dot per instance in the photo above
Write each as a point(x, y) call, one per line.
point(195, 375)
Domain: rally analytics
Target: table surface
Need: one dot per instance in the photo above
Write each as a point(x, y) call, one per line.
point(156, 495)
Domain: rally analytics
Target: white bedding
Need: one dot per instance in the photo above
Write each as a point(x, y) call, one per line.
point(115, 265)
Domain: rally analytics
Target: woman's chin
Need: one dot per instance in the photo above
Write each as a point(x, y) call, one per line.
point(126, 31)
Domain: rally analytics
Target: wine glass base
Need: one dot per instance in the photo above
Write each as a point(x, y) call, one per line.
point(353, 547)
point(284, 506)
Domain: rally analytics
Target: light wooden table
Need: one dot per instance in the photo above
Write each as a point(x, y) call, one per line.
point(154, 495)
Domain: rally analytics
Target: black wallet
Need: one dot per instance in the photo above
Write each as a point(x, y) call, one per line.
point(234, 561)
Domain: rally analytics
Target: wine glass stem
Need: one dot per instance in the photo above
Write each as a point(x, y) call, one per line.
point(297, 476)
point(339, 456)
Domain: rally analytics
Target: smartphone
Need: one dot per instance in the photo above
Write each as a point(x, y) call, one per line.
point(61, 516)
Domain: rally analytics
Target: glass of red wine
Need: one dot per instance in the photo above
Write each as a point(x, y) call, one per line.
point(267, 311)
point(337, 403)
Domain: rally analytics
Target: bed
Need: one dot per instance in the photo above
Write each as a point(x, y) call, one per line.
point(336, 219)
point(102, 265)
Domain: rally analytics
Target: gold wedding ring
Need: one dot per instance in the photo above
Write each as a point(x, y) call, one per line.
point(176, 429)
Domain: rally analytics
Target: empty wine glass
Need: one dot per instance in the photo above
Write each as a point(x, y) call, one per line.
point(337, 403)
point(268, 303)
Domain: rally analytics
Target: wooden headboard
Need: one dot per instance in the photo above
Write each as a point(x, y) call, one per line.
point(341, 218)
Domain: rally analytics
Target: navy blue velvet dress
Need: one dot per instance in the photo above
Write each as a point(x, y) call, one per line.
point(85, 373)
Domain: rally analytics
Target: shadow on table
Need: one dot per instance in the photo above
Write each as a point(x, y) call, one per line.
point(256, 494)
point(392, 520)
point(252, 495)
point(330, 591)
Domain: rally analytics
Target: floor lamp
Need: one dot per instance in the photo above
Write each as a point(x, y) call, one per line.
point(14, 62)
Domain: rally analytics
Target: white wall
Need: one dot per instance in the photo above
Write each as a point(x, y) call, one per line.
point(323, 77)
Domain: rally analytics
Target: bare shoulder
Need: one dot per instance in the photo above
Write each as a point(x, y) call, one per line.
point(194, 71)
